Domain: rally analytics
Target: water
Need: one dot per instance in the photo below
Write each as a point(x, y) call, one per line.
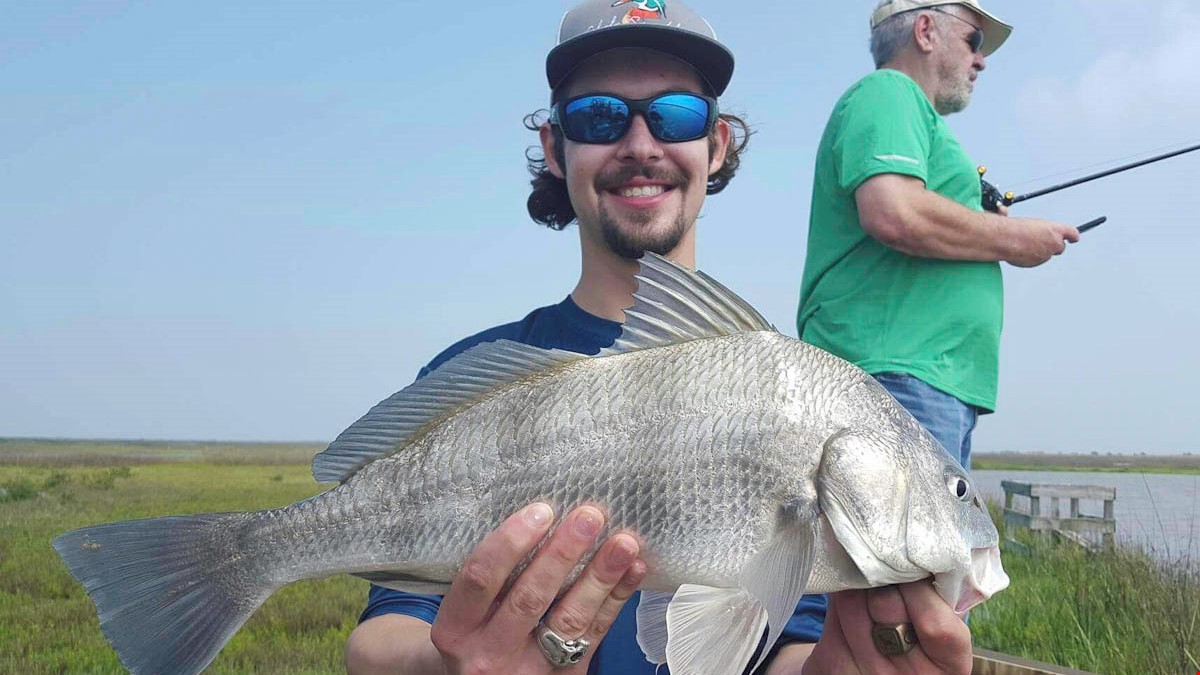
point(1158, 512)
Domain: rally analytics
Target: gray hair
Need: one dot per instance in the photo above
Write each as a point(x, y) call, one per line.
point(895, 33)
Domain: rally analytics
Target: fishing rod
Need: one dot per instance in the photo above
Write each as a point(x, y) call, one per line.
point(992, 199)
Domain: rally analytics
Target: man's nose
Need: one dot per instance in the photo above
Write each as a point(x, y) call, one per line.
point(639, 145)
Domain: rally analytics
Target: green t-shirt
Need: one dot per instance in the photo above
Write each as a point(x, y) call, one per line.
point(886, 311)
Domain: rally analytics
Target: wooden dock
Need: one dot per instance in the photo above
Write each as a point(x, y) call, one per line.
point(1034, 513)
point(993, 663)
point(1089, 531)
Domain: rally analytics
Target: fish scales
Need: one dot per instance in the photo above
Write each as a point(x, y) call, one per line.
point(754, 467)
point(723, 446)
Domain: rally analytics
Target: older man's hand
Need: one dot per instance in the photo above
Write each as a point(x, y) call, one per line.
point(847, 648)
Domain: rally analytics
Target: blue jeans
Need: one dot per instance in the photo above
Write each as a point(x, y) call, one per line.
point(949, 420)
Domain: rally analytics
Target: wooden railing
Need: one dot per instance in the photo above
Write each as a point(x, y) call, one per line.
point(1077, 527)
point(994, 663)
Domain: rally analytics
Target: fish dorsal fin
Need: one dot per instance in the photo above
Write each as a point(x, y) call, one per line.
point(673, 304)
point(459, 382)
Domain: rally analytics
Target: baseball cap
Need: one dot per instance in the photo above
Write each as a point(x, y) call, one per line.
point(995, 31)
point(667, 26)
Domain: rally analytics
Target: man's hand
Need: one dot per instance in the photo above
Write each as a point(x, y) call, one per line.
point(1034, 241)
point(846, 647)
point(483, 628)
point(900, 213)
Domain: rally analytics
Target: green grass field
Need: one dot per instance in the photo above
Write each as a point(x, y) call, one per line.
point(47, 623)
point(1103, 463)
point(1111, 613)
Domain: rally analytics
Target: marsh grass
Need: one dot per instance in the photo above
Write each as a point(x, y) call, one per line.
point(49, 452)
point(1187, 464)
point(47, 623)
point(1115, 611)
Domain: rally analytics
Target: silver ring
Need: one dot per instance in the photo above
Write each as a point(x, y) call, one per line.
point(559, 652)
point(894, 639)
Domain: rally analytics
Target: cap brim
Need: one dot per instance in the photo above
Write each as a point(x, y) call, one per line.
point(713, 61)
point(995, 31)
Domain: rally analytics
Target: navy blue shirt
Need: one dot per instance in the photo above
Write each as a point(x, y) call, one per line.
point(566, 326)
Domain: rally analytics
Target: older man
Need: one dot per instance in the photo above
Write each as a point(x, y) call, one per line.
point(902, 275)
point(633, 144)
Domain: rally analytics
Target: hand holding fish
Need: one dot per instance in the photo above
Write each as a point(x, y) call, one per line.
point(483, 628)
point(846, 647)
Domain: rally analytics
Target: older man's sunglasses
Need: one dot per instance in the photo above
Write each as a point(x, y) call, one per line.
point(673, 117)
point(975, 39)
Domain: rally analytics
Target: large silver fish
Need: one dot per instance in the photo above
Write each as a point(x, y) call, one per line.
point(754, 466)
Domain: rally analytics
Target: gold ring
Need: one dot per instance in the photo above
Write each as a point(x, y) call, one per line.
point(894, 639)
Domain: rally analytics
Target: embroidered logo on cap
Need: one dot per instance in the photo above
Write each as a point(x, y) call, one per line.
point(643, 10)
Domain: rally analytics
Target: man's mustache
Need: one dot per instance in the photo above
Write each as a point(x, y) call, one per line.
point(617, 178)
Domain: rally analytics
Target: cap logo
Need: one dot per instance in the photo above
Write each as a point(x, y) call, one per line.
point(642, 10)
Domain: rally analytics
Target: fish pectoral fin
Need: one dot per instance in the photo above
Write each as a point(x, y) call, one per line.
point(777, 575)
point(652, 625)
point(712, 630)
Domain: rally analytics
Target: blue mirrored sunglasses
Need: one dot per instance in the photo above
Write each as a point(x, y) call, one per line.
point(673, 117)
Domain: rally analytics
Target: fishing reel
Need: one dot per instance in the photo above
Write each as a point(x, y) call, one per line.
point(992, 199)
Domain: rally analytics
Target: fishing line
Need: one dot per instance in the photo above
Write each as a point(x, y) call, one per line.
point(1081, 169)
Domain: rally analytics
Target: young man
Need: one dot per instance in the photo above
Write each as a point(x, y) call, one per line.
point(633, 145)
point(902, 276)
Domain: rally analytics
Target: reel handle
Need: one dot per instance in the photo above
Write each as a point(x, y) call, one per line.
point(992, 198)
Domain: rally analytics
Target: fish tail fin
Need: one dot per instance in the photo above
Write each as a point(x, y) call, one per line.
point(170, 592)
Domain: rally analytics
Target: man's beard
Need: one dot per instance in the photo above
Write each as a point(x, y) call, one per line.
point(636, 237)
point(955, 94)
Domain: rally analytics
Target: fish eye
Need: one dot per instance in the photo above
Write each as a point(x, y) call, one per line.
point(960, 488)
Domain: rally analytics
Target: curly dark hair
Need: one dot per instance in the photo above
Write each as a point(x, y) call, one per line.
point(549, 203)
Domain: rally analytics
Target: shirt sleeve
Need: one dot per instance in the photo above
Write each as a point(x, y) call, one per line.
point(883, 127)
point(382, 601)
point(806, 623)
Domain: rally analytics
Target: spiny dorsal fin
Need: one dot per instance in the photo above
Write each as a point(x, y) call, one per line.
point(459, 382)
point(673, 304)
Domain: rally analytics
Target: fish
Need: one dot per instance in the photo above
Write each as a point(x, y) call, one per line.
point(753, 466)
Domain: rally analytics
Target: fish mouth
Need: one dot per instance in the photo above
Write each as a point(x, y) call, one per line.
point(963, 590)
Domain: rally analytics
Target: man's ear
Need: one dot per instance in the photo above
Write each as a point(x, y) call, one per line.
point(924, 30)
point(546, 134)
point(719, 145)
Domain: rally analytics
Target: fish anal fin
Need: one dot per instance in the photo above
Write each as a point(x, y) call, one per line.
point(652, 625)
point(409, 584)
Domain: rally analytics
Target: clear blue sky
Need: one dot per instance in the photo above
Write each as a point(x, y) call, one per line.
point(252, 221)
